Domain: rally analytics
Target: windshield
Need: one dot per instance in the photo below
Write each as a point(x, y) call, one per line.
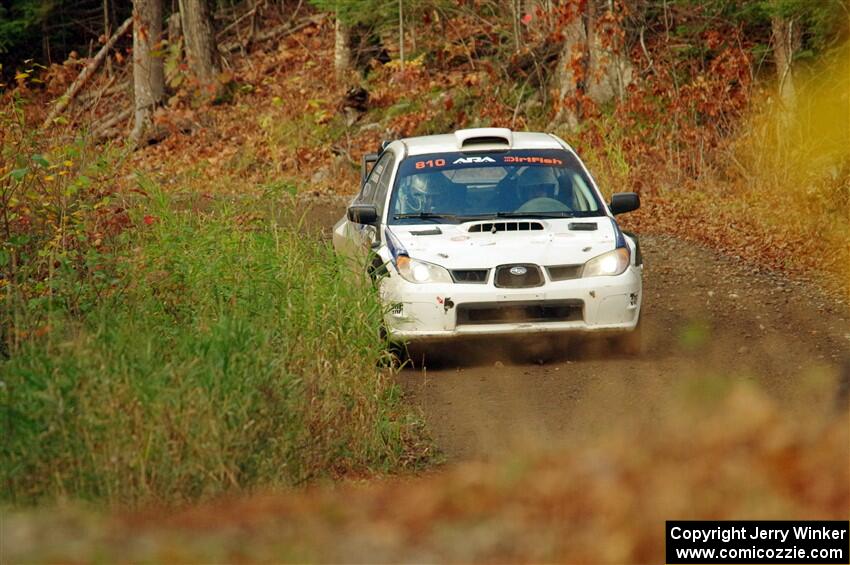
point(455, 187)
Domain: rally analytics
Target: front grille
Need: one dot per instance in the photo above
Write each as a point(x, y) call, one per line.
point(471, 314)
point(470, 276)
point(564, 272)
point(494, 227)
point(523, 276)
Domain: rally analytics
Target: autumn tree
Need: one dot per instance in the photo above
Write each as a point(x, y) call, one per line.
point(148, 72)
point(48, 32)
point(199, 36)
point(801, 29)
point(359, 19)
point(342, 48)
point(593, 66)
point(785, 43)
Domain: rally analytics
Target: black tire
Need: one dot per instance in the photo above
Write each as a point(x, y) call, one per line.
point(395, 354)
point(629, 344)
point(399, 353)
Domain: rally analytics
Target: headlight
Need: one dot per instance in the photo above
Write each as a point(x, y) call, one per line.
point(416, 271)
point(608, 264)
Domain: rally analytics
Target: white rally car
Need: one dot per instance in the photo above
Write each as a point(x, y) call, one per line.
point(489, 231)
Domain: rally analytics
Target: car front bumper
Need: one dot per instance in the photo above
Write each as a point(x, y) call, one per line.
point(419, 312)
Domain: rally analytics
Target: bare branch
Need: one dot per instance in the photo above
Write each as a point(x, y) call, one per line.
point(85, 74)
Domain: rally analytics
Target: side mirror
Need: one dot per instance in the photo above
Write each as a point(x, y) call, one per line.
point(363, 214)
point(623, 202)
point(365, 163)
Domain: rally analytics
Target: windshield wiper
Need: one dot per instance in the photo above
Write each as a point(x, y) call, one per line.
point(554, 214)
point(426, 216)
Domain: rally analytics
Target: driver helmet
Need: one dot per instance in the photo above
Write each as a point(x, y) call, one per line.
point(419, 193)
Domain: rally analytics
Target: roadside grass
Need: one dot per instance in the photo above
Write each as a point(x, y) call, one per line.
point(794, 166)
point(721, 449)
point(233, 350)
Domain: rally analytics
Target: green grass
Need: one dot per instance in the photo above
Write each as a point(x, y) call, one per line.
point(232, 351)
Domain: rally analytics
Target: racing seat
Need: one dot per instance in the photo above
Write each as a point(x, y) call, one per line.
point(565, 192)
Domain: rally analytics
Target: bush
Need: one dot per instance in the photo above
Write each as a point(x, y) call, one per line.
point(229, 352)
point(60, 218)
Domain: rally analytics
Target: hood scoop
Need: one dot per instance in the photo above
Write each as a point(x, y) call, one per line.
point(494, 227)
point(583, 226)
point(433, 231)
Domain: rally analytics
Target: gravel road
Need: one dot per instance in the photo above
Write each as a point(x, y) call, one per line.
point(709, 322)
point(645, 438)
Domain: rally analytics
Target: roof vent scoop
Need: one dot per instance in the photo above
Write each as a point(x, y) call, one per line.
point(494, 227)
point(484, 139)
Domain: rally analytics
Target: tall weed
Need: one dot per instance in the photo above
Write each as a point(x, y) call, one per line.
point(235, 352)
point(794, 162)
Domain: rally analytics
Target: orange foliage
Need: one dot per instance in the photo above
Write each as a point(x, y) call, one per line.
point(600, 503)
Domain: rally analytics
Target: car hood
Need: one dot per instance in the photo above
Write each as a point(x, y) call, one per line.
point(476, 245)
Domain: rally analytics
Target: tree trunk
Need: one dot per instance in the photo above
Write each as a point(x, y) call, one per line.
point(45, 40)
point(198, 32)
point(610, 70)
point(401, 32)
point(515, 18)
point(590, 66)
point(85, 74)
point(148, 76)
point(107, 33)
point(174, 29)
point(107, 19)
point(342, 49)
point(785, 42)
point(570, 71)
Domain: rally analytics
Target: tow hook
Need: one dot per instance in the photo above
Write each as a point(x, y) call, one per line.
point(448, 304)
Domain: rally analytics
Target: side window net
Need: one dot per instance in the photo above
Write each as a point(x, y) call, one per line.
point(367, 195)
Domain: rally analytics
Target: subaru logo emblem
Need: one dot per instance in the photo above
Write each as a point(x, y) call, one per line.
point(518, 271)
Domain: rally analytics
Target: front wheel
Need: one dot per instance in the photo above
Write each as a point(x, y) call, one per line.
point(395, 353)
point(630, 343)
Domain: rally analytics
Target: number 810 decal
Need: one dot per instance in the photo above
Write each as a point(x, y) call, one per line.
point(430, 163)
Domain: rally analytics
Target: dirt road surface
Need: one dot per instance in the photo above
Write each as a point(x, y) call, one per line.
point(710, 322)
point(670, 433)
